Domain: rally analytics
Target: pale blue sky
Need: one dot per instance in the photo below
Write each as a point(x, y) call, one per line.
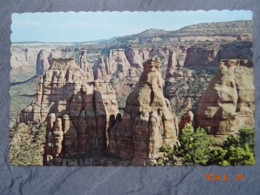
point(88, 26)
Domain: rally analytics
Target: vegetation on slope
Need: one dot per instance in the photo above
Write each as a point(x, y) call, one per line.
point(196, 148)
point(27, 144)
point(21, 94)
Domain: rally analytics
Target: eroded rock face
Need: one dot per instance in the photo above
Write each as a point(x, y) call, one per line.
point(84, 65)
point(23, 63)
point(186, 119)
point(101, 71)
point(116, 62)
point(147, 122)
point(228, 103)
point(184, 87)
point(136, 57)
point(78, 110)
point(55, 87)
point(54, 53)
point(236, 50)
point(202, 56)
point(42, 64)
point(174, 68)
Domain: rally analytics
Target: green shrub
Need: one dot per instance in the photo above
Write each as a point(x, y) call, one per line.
point(237, 150)
point(194, 146)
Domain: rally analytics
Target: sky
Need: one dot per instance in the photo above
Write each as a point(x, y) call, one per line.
point(90, 26)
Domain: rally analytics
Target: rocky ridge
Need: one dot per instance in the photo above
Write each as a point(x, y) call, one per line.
point(216, 31)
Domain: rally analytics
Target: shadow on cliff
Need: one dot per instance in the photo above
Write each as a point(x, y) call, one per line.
point(88, 115)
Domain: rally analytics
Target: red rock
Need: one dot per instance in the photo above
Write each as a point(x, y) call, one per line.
point(186, 119)
point(80, 110)
point(147, 122)
point(84, 65)
point(228, 103)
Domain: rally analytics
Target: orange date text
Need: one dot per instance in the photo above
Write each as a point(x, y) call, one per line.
point(225, 177)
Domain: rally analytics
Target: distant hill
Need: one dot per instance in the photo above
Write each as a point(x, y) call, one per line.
point(233, 28)
point(217, 28)
point(26, 42)
point(153, 32)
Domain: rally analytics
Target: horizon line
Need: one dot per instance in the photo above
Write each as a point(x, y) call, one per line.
point(106, 39)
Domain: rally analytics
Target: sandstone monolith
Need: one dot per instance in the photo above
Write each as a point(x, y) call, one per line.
point(147, 123)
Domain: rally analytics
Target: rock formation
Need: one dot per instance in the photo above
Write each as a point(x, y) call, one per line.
point(55, 53)
point(136, 57)
point(84, 65)
point(55, 87)
point(101, 71)
point(42, 64)
point(147, 122)
point(184, 86)
point(186, 119)
point(116, 62)
point(174, 68)
point(236, 50)
point(68, 52)
point(202, 56)
point(228, 103)
point(78, 109)
point(84, 124)
point(23, 63)
point(117, 70)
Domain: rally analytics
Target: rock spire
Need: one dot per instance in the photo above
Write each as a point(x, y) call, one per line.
point(147, 122)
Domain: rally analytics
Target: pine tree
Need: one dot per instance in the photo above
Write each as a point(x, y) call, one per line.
point(194, 146)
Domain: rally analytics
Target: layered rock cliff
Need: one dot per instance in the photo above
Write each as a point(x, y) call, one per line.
point(63, 79)
point(76, 109)
point(228, 103)
point(209, 53)
point(202, 56)
point(23, 63)
point(147, 122)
